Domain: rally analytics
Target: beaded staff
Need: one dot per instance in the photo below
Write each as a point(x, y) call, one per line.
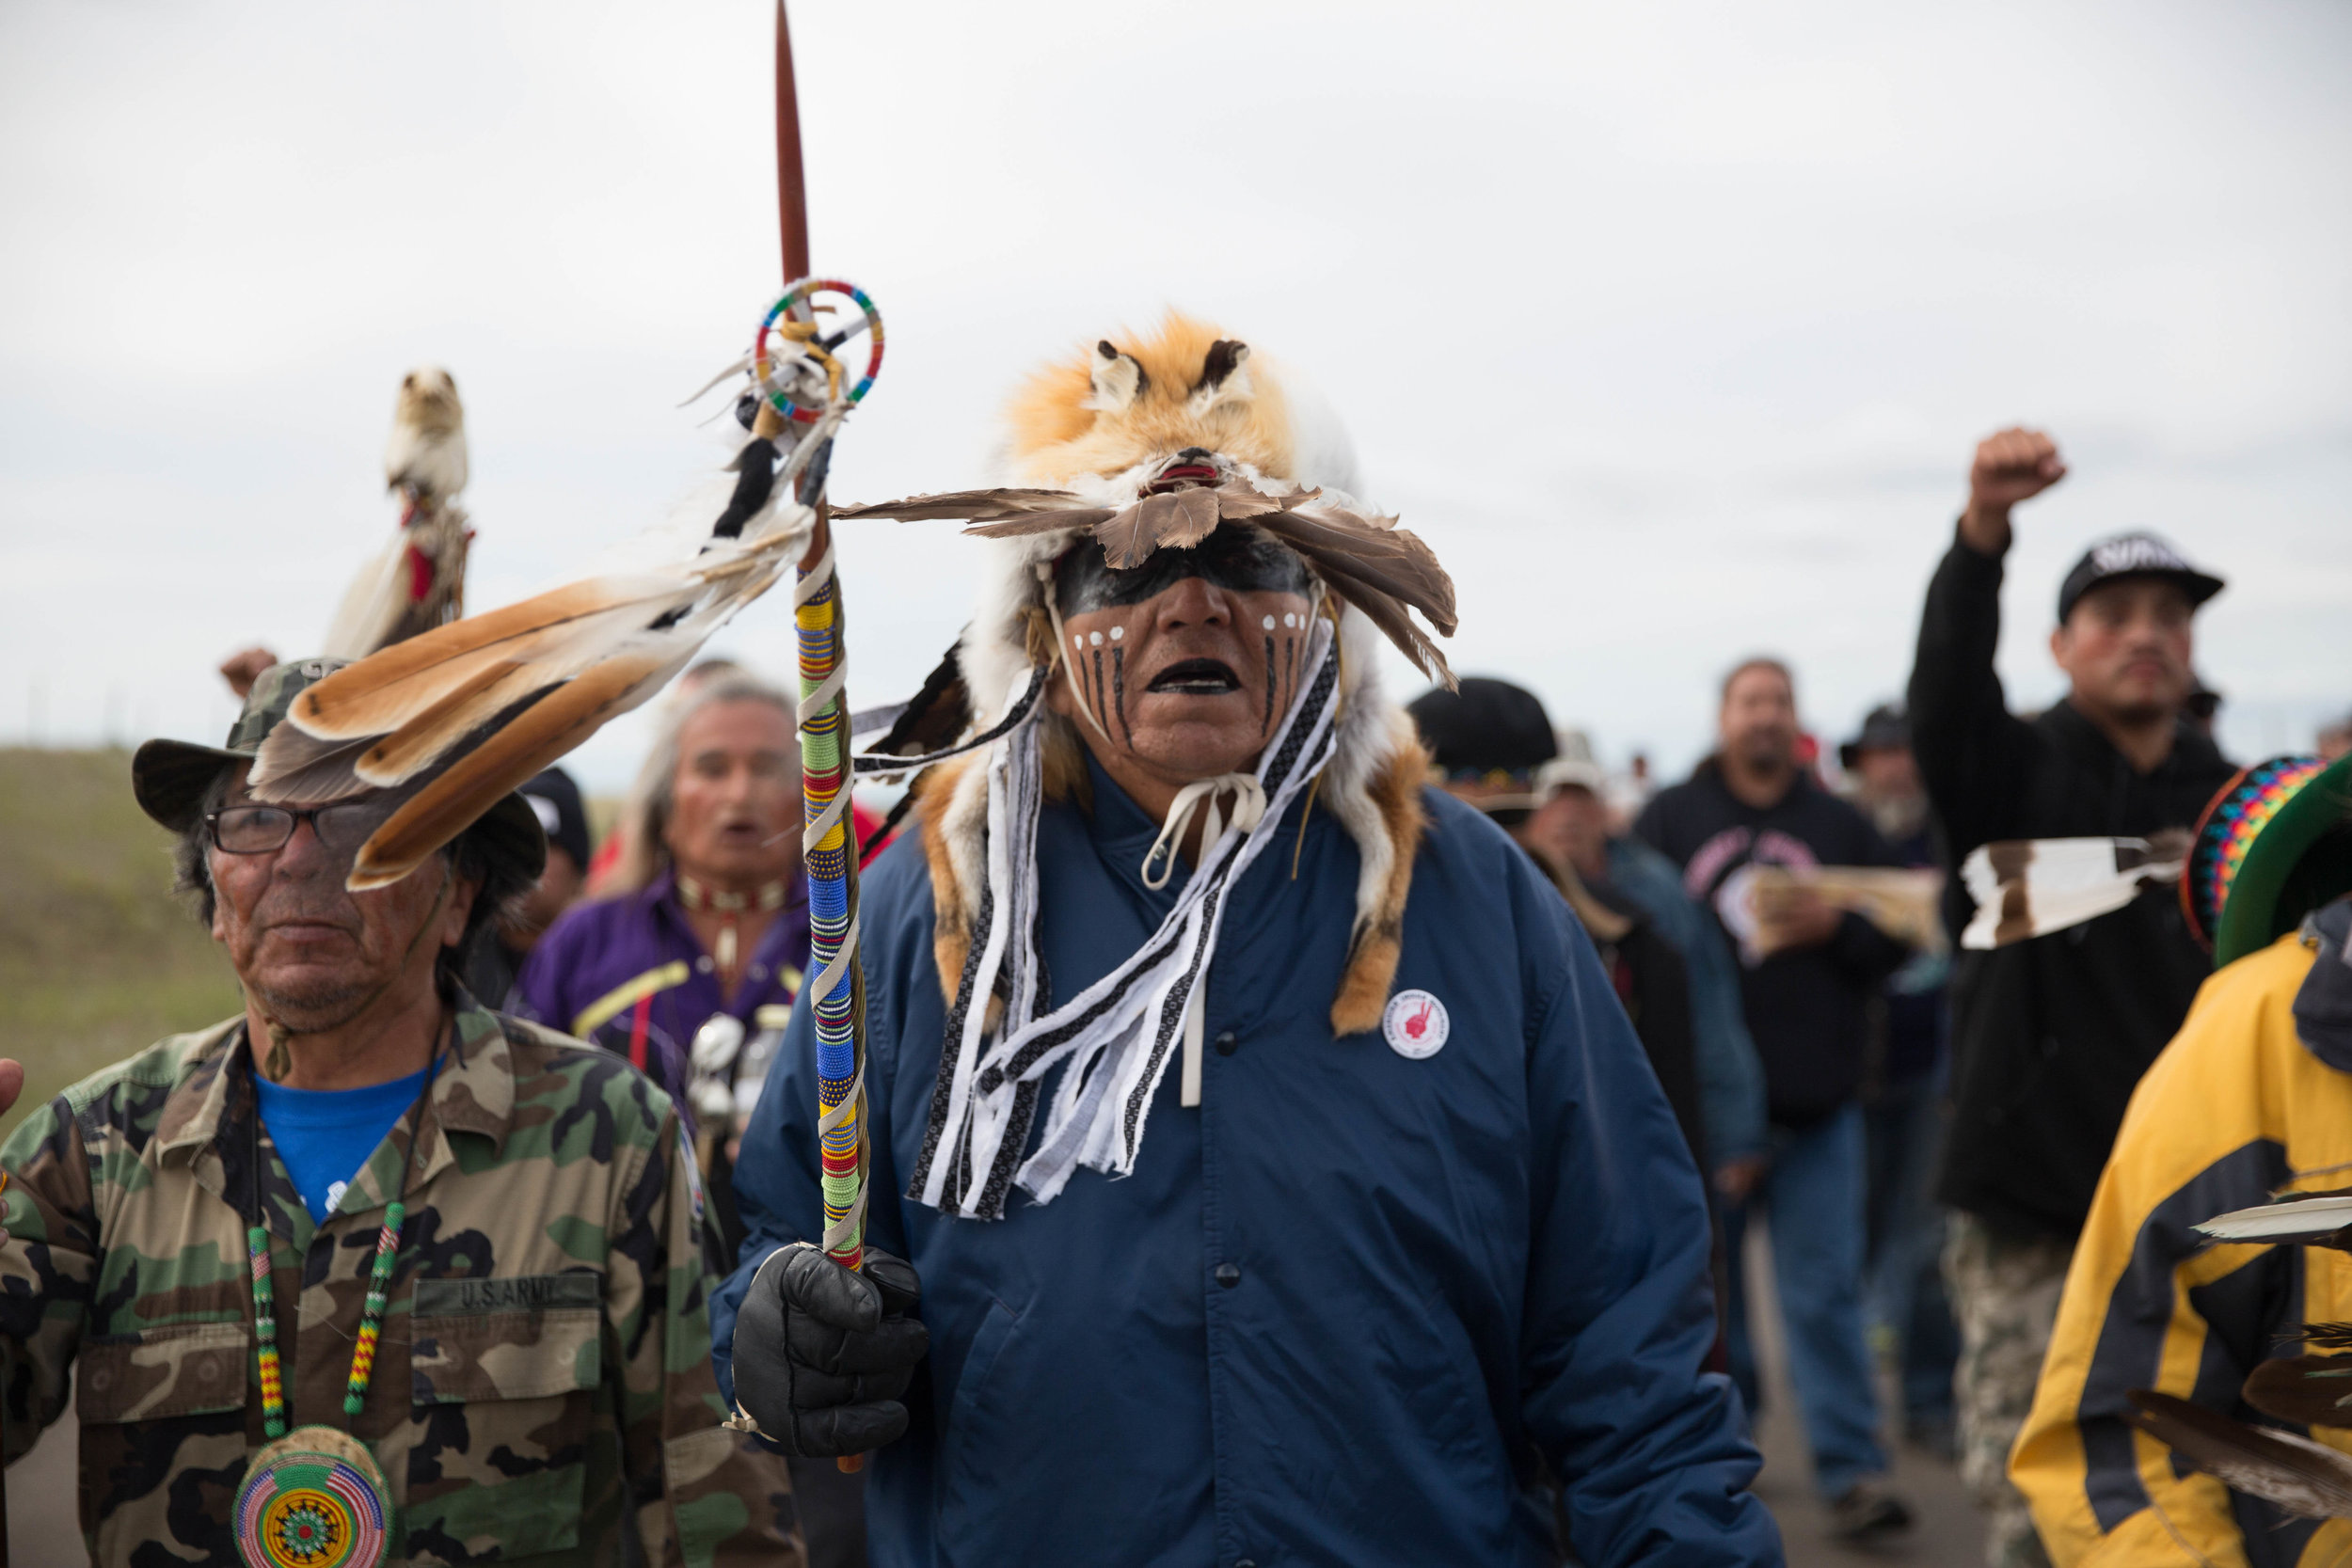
point(829, 850)
point(829, 837)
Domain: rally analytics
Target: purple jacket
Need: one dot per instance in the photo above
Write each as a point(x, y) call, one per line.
point(607, 967)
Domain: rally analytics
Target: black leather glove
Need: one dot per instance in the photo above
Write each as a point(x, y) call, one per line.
point(822, 1355)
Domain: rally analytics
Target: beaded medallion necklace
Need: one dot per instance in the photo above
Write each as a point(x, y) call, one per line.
point(313, 1497)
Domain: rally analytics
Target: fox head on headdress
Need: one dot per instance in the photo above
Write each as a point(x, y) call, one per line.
point(1184, 403)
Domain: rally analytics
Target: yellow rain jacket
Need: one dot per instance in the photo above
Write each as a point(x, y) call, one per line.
point(2253, 1099)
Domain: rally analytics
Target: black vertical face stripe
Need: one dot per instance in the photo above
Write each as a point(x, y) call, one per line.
point(2129, 1351)
point(1266, 722)
point(1098, 683)
point(1118, 691)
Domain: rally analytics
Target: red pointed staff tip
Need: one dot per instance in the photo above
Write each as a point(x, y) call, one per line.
point(791, 184)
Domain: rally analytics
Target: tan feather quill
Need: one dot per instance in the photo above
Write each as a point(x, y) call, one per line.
point(453, 719)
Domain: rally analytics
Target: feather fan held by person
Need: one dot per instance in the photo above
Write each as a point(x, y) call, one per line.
point(456, 716)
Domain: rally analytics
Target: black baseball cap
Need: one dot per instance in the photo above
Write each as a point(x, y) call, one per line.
point(556, 800)
point(2133, 555)
point(1489, 731)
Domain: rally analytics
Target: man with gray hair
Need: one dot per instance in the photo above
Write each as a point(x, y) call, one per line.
point(209, 1242)
point(705, 915)
point(688, 959)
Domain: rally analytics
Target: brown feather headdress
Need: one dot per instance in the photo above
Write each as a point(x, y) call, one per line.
point(1380, 568)
point(1152, 443)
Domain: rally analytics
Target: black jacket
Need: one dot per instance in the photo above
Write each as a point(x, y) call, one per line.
point(1807, 1010)
point(1655, 987)
point(2048, 1036)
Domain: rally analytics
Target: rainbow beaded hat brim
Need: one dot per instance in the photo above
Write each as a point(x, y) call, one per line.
point(2273, 845)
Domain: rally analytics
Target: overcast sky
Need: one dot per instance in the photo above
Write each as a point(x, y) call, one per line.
point(1671, 326)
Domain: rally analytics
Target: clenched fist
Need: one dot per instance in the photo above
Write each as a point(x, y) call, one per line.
point(2011, 465)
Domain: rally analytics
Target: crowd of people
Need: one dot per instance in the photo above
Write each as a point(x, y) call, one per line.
point(1437, 1244)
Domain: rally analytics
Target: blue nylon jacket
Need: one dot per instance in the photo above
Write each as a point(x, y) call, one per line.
point(1341, 1309)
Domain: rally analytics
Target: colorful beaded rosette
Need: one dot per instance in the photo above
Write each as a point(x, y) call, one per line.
point(313, 1500)
point(2228, 829)
point(790, 331)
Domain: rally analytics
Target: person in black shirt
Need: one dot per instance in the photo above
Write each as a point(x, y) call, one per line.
point(1487, 740)
point(2050, 1035)
point(1808, 1006)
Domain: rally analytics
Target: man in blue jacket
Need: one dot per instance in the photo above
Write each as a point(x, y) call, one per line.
point(1402, 1225)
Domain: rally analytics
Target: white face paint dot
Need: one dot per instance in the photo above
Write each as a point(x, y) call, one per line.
point(1078, 640)
point(1289, 619)
point(1118, 632)
point(1269, 622)
point(1097, 637)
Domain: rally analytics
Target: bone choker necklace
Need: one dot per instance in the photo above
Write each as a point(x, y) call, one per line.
point(730, 907)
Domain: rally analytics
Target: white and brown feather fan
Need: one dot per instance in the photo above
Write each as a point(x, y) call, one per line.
point(456, 716)
point(2027, 888)
point(2305, 1478)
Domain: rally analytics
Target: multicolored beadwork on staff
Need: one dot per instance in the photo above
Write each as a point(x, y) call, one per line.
point(766, 345)
point(266, 1325)
point(371, 1312)
point(2229, 828)
point(831, 863)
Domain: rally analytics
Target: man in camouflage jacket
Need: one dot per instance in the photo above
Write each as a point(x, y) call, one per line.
point(544, 1384)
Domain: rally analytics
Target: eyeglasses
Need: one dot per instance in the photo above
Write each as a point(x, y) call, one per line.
point(260, 830)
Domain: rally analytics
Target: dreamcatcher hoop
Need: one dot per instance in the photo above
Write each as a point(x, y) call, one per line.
point(789, 332)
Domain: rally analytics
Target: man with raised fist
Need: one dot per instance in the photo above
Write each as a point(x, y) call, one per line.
point(2049, 1035)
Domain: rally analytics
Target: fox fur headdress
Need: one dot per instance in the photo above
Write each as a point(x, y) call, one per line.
point(1155, 441)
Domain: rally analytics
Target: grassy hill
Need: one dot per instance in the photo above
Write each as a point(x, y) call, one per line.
point(97, 958)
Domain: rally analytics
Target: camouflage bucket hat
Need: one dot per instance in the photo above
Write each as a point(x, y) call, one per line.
point(170, 776)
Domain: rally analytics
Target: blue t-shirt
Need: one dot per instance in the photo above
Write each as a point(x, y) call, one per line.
point(326, 1135)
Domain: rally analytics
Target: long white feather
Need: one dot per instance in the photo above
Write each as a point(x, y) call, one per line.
point(2277, 1222)
point(371, 605)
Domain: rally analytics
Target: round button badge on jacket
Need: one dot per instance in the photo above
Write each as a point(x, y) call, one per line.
point(1416, 1024)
